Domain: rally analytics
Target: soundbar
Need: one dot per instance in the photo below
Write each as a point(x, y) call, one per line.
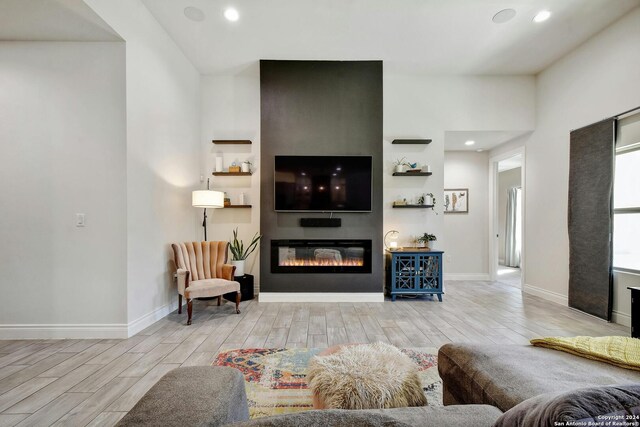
point(320, 222)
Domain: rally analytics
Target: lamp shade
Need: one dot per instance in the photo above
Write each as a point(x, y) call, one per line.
point(207, 199)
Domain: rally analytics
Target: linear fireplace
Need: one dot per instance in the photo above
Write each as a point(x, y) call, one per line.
point(321, 256)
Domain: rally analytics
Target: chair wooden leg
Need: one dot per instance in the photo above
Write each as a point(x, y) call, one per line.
point(238, 297)
point(219, 300)
point(189, 310)
point(179, 304)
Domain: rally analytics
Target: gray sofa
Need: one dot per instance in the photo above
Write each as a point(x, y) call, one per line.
point(506, 375)
point(215, 396)
point(532, 386)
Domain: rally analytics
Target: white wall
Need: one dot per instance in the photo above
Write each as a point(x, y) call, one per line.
point(231, 110)
point(423, 106)
point(163, 155)
point(506, 180)
point(63, 151)
point(466, 242)
point(597, 80)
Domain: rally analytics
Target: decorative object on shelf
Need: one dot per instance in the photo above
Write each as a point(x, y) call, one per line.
point(426, 168)
point(391, 239)
point(246, 166)
point(227, 200)
point(400, 202)
point(399, 165)
point(207, 199)
point(234, 168)
point(240, 253)
point(219, 166)
point(426, 240)
point(241, 199)
point(429, 200)
point(456, 200)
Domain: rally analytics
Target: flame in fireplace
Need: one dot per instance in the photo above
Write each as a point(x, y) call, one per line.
point(307, 262)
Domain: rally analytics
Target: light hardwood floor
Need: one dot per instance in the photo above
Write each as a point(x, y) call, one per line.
point(95, 382)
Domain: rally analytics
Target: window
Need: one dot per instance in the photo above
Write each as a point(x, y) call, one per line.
point(626, 191)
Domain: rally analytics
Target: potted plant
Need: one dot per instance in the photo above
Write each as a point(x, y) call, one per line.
point(246, 166)
point(426, 239)
point(240, 253)
point(399, 164)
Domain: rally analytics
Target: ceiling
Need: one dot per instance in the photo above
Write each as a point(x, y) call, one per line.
point(484, 140)
point(52, 20)
point(427, 36)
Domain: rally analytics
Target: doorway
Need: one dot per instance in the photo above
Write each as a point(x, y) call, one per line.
point(507, 218)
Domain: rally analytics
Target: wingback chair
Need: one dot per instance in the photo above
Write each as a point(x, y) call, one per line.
point(203, 272)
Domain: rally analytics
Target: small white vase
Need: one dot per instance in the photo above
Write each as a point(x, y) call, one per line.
point(399, 168)
point(239, 265)
point(246, 167)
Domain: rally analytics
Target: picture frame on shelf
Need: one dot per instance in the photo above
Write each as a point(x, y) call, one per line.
point(456, 200)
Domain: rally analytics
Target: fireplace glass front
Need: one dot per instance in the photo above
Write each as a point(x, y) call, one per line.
point(321, 256)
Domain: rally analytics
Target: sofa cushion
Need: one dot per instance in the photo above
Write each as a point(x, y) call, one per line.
point(208, 287)
point(192, 396)
point(505, 375)
point(463, 415)
point(597, 405)
point(325, 418)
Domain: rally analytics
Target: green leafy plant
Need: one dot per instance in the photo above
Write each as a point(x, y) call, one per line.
point(237, 248)
point(426, 237)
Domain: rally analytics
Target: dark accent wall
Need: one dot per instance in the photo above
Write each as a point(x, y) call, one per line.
point(320, 108)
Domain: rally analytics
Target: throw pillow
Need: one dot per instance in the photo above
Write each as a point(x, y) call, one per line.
point(619, 404)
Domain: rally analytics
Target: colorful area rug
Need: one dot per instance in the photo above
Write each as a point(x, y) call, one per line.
point(275, 378)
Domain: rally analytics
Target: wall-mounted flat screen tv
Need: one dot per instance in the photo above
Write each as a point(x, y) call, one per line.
point(323, 183)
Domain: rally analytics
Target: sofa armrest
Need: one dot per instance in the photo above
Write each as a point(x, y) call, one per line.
point(227, 271)
point(192, 396)
point(182, 279)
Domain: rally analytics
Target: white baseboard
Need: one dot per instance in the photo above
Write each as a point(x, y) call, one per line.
point(84, 331)
point(466, 276)
point(61, 331)
point(545, 294)
point(149, 319)
point(621, 318)
point(321, 297)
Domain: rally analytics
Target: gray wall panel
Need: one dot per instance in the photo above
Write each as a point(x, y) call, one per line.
point(320, 108)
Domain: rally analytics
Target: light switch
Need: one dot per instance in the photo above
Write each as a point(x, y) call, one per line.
point(80, 220)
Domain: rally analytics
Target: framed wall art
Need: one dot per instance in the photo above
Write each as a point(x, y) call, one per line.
point(456, 200)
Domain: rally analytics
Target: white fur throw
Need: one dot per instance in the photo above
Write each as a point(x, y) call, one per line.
point(365, 376)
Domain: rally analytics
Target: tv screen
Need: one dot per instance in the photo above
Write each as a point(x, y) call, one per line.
point(323, 183)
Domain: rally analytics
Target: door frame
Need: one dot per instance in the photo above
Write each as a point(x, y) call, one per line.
point(493, 212)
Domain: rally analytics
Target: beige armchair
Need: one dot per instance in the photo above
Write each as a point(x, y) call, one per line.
point(203, 272)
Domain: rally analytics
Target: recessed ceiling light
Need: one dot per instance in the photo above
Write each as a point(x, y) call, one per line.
point(469, 142)
point(505, 15)
point(194, 13)
point(231, 14)
point(542, 16)
point(479, 150)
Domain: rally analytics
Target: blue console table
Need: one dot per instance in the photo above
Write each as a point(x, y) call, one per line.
point(411, 271)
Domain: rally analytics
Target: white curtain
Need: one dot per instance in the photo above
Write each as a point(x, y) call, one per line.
point(513, 241)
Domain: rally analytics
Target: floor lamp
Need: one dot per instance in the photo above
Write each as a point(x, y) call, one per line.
point(207, 199)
